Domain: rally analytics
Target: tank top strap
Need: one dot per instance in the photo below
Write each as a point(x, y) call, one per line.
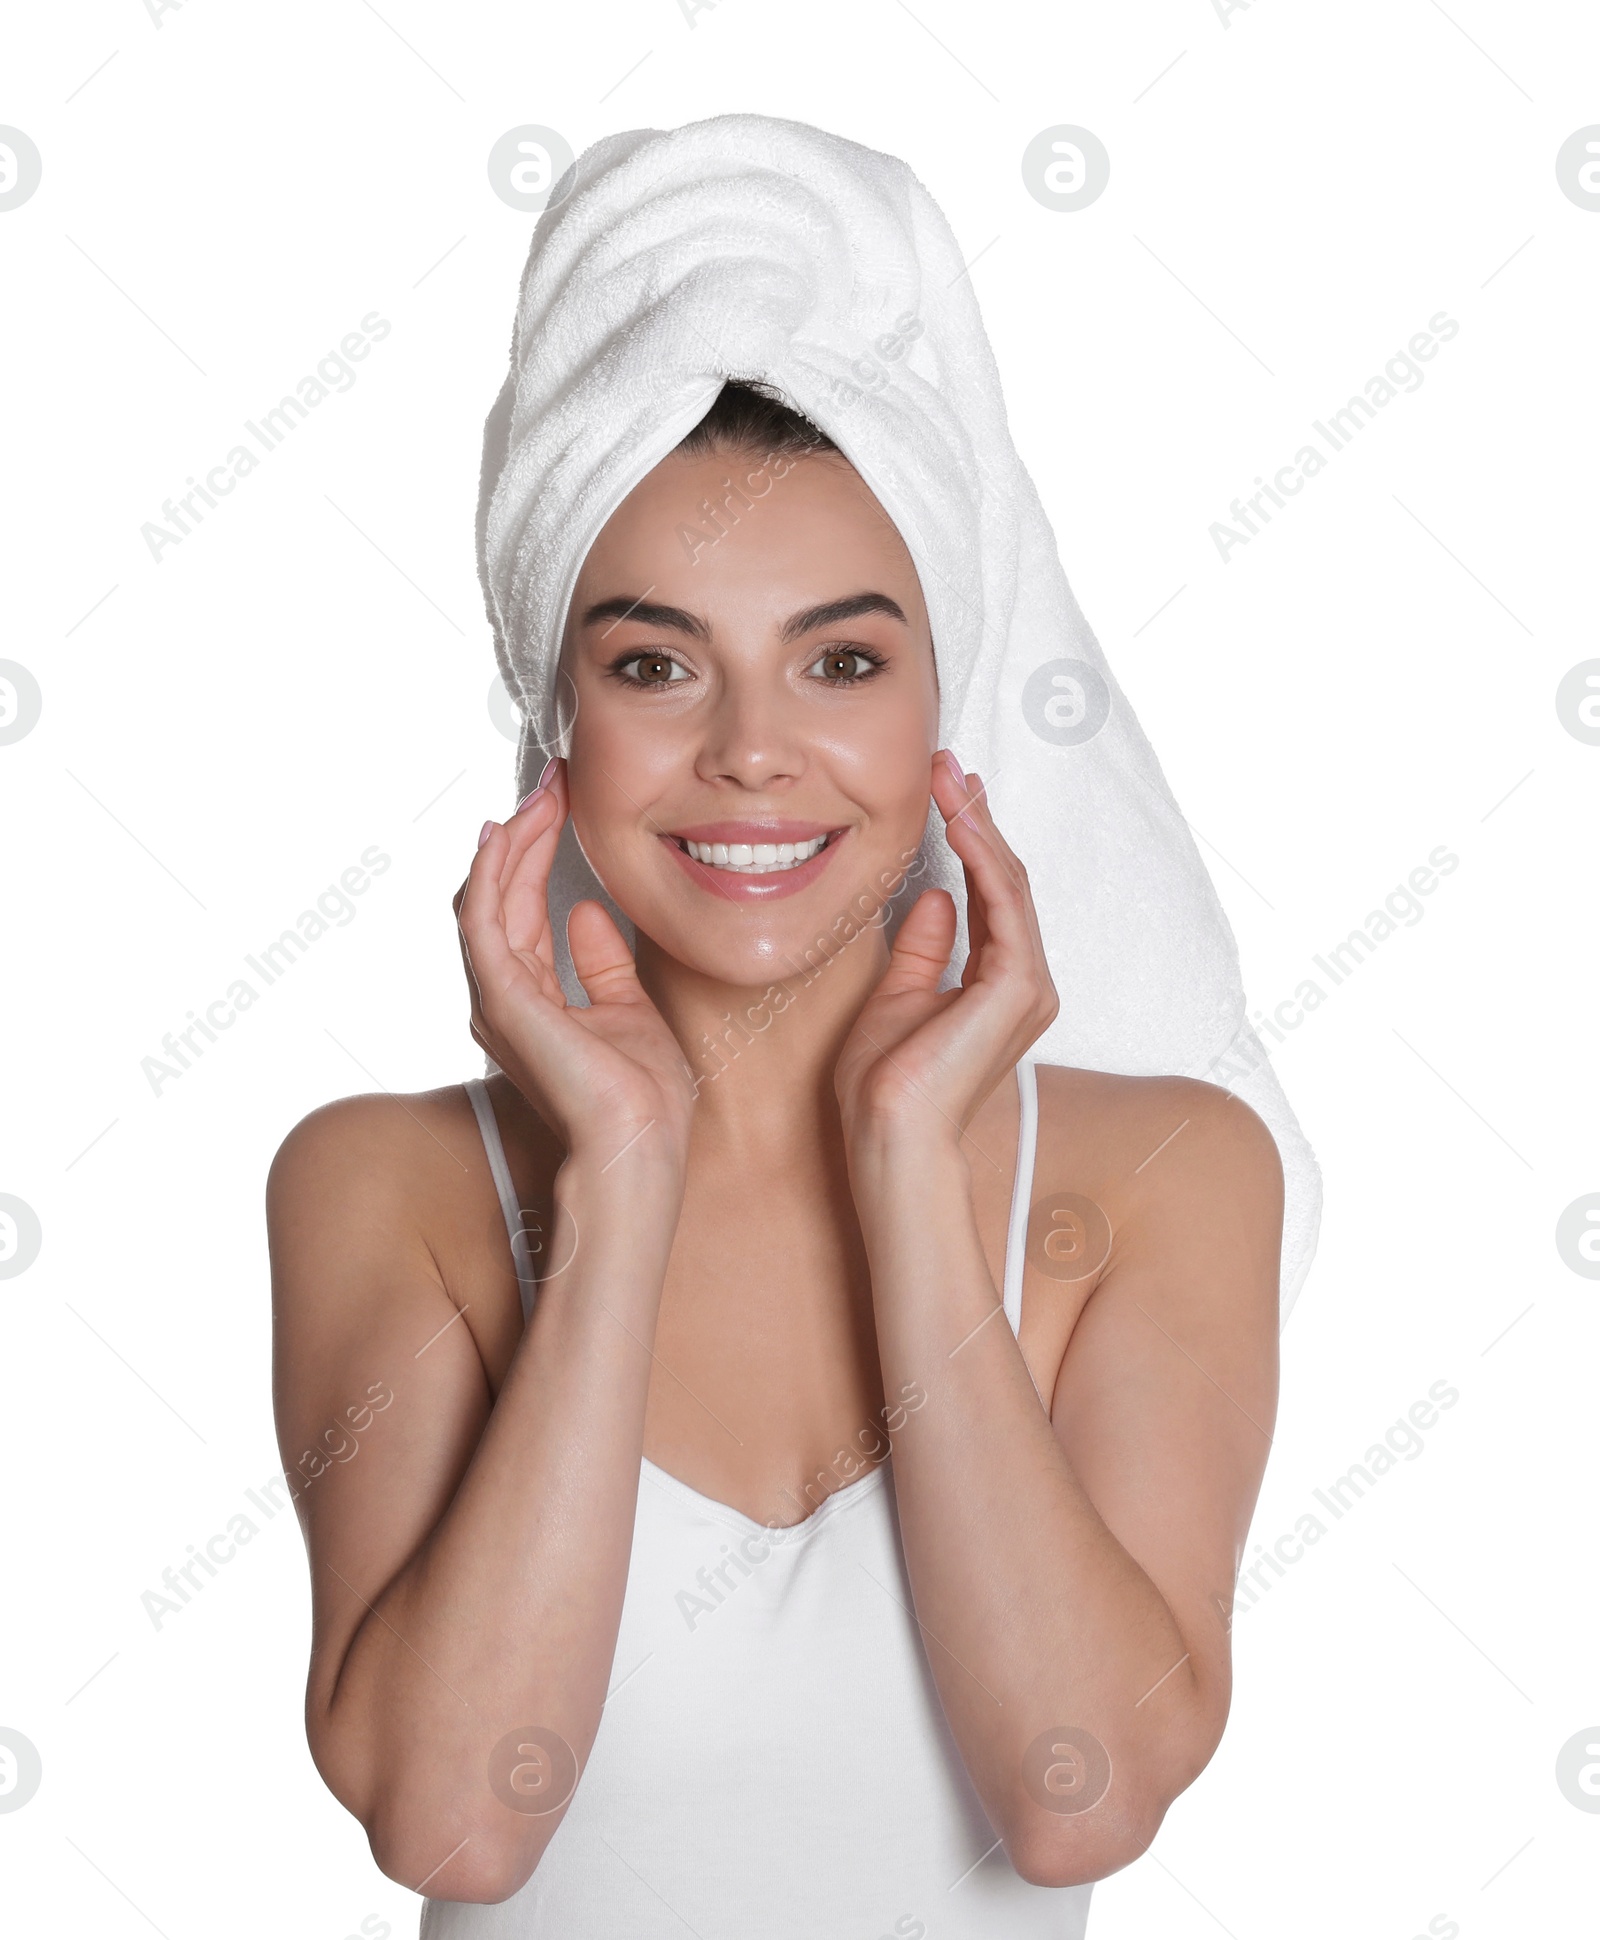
point(521, 1255)
point(1021, 1191)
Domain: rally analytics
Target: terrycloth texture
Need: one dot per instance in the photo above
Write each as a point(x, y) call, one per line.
point(745, 246)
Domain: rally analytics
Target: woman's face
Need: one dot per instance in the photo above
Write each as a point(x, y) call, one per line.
point(753, 675)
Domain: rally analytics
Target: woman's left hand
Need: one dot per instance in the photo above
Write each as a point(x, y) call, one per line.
point(921, 1060)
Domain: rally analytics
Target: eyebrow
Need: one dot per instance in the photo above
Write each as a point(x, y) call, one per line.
point(830, 613)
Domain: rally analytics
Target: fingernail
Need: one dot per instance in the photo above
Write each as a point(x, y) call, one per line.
point(954, 766)
point(965, 817)
point(539, 786)
point(484, 833)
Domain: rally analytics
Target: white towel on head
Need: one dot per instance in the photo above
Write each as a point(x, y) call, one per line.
point(746, 246)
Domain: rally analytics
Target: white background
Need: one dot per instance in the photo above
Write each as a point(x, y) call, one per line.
point(1294, 192)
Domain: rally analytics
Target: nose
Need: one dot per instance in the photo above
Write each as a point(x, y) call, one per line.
point(750, 737)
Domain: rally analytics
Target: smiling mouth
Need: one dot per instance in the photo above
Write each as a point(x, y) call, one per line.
point(756, 858)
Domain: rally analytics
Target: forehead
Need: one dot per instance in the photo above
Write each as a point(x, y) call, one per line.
point(763, 532)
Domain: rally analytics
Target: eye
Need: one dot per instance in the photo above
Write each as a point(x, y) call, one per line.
point(656, 670)
point(838, 670)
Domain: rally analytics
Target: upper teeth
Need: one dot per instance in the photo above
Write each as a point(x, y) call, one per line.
point(754, 858)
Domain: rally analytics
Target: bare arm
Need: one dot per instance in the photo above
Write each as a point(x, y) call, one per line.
point(469, 1563)
point(1073, 1569)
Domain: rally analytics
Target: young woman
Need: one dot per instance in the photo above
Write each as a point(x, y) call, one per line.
point(822, 1517)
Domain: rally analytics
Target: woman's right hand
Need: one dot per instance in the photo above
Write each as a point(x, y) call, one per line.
point(606, 1079)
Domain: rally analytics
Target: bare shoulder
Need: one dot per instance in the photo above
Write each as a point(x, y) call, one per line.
point(379, 1159)
point(1175, 1190)
point(1150, 1142)
point(380, 1192)
point(1149, 1130)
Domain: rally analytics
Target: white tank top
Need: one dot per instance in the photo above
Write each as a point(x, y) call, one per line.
point(772, 1757)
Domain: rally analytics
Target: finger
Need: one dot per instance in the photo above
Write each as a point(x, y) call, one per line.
point(1005, 941)
point(961, 797)
point(987, 824)
point(1011, 860)
point(966, 803)
point(976, 815)
point(978, 925)
point(1000, 919)
point(466, 956)
point(977, 930)
point(978, 808)
point(954, 796)
point(952, 792)
point(492, 964)
point(951, 795)
point(1048, 1002)
point(601, 957)
point(534, 833)
point(922, 945)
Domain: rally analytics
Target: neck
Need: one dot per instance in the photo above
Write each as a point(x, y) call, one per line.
point(763, 1054)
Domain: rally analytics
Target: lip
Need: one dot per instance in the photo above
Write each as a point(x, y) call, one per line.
point(754, 889)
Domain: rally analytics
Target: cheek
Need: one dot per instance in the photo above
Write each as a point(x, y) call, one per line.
point(884, 765)
point(617, 766)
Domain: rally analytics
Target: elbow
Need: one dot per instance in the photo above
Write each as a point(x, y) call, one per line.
point(1054, 1837)
point(1050, 1845)
point(426, 1843)
point(450, 1860)
point(1082, 1848)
